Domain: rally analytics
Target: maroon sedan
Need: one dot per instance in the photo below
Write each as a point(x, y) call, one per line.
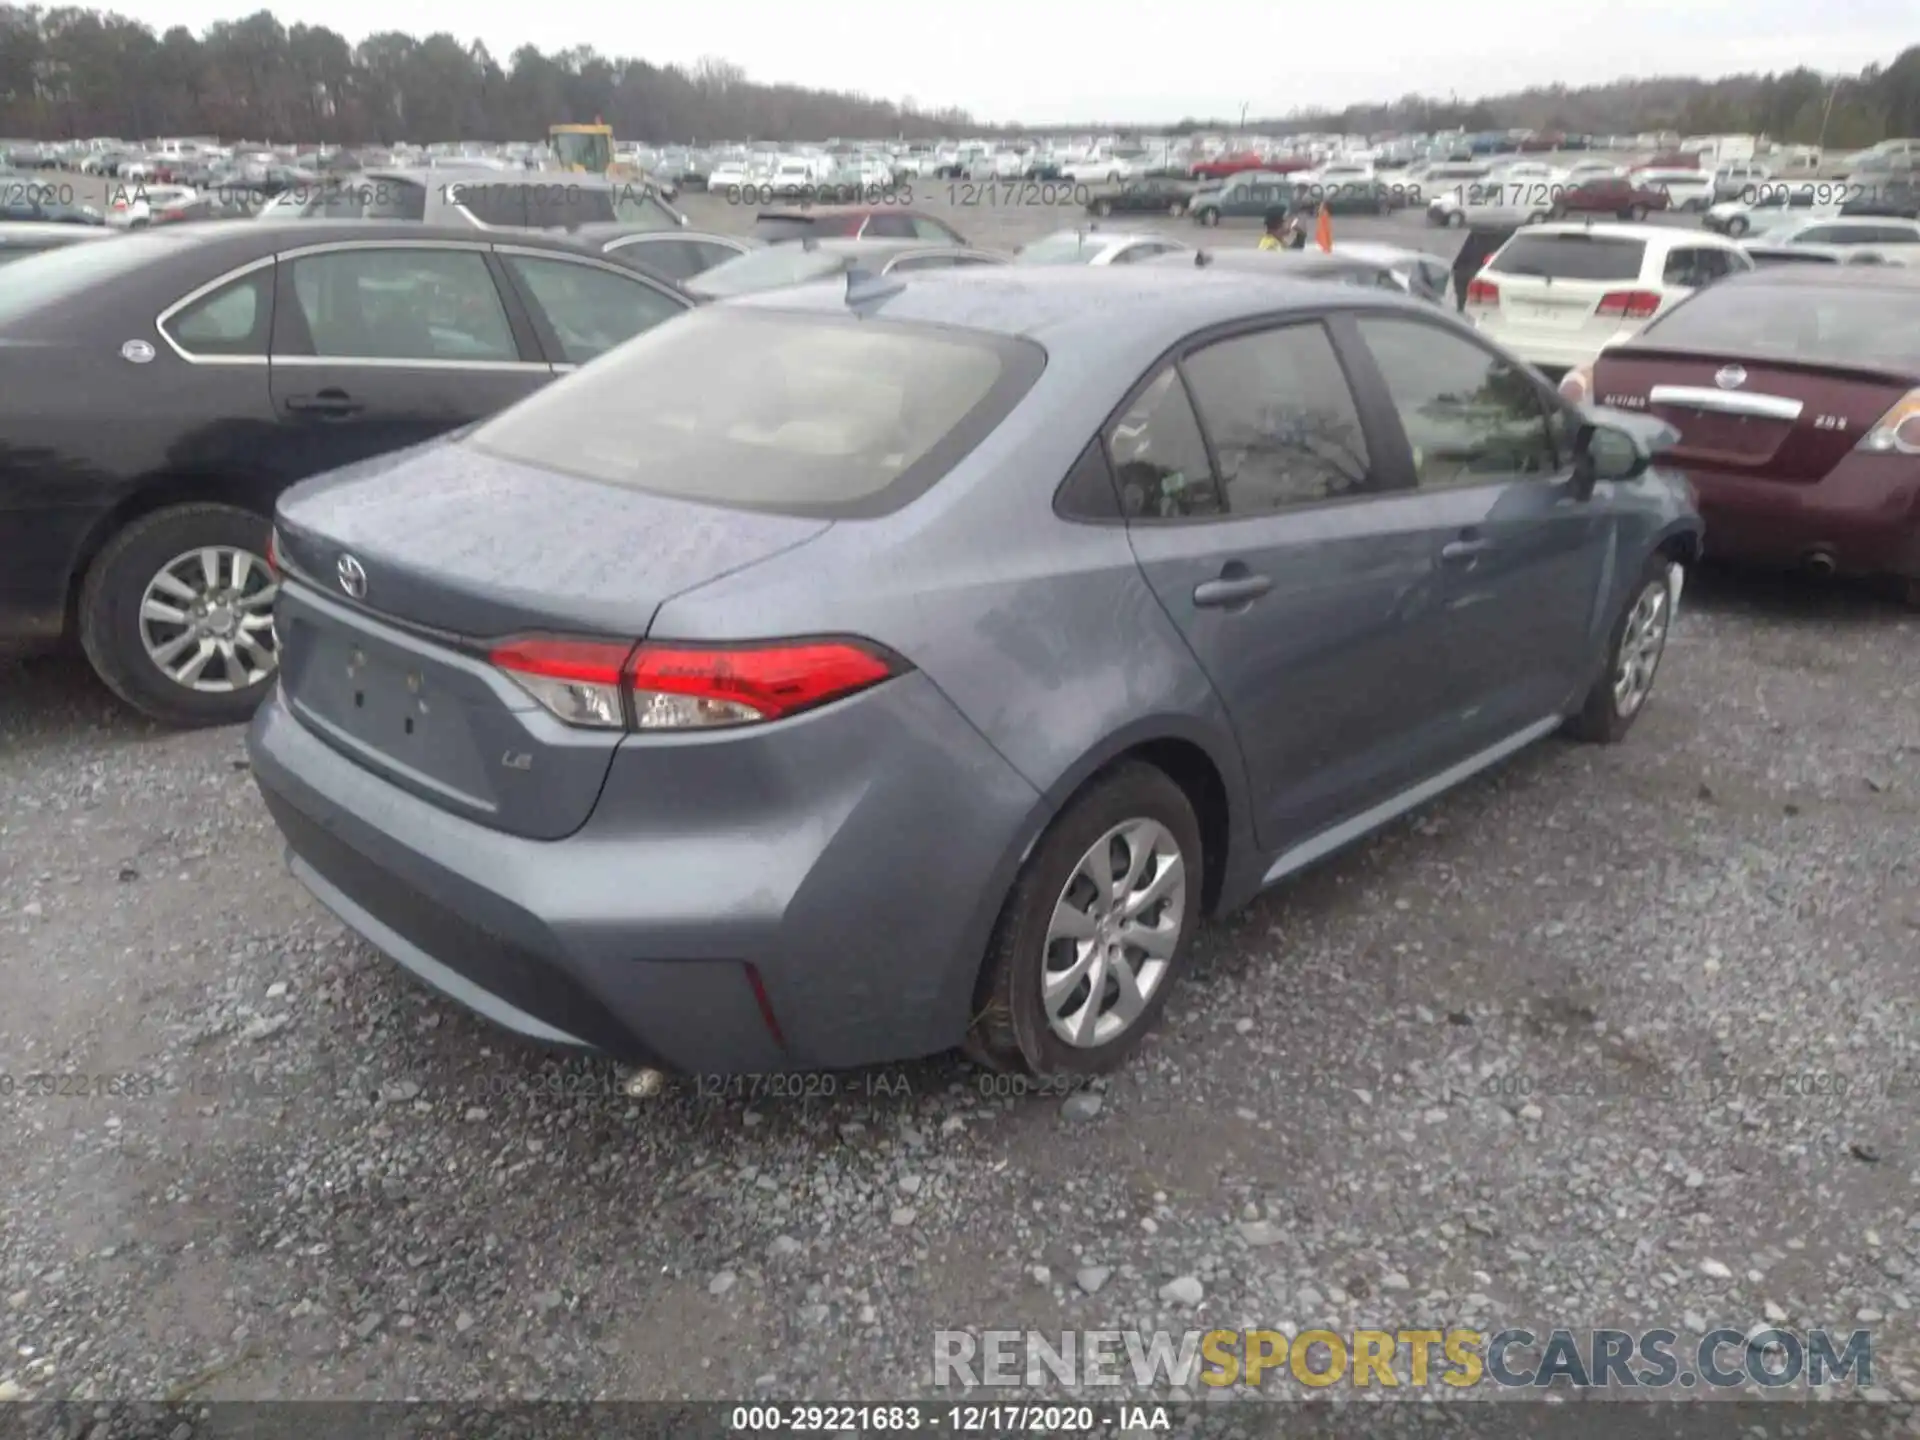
point(1609, 195)
point(1796, 392)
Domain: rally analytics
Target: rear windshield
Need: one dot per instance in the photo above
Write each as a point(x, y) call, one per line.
point(1571, 257)
point(775, 228)
point(825, 415)
point(768, 269)
point(1816, 322)
point(1069, 249)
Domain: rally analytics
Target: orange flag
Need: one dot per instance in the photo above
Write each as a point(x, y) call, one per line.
point(1323, 229)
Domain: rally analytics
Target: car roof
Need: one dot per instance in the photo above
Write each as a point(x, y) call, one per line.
point(1661, 235)
point(1141, 310)
point(1380, 253)
point(878, 245)
point(273, 233)
point(53, 229)
point(1903, 278)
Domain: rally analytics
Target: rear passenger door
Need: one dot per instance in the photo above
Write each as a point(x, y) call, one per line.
point(1283, 541)
point(1522, 559)
point(381, 345)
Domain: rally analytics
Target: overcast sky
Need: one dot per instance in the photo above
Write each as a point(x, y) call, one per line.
point(1047, 61)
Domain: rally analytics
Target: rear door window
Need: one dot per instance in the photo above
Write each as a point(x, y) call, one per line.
point(589, 309)
point(1284, 426)
point(402, 303)
point(233, 320)
point(886, 226)
point(1579, 256)
point(1160, 457)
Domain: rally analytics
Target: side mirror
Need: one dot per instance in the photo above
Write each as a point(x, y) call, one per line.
point(1607, 452)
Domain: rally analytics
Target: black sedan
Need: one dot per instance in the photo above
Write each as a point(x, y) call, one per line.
point(240, 359)
point(1162, 195)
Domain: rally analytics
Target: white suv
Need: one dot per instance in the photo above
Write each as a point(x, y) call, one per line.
point(1557, 295)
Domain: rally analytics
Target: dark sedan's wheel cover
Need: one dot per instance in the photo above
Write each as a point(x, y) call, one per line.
point(206, 620)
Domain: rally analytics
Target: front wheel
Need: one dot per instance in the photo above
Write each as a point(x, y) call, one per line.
point(1455, 219)
point(1177, 209)
point(1737, 226)
point(176, 614)
point(1095, 930)
point(1209, 216)
point(1638, 642)
point(1102, 207)
point(1636, 213)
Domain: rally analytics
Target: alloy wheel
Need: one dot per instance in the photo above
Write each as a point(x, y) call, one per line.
point(206, 620)
point(1641, 645)
point(1113, 933)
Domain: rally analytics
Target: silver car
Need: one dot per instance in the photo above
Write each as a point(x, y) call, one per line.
point(857, 670)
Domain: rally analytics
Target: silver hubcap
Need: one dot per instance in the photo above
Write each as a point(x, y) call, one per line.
point(1113, 932)
point(1641, 646)
point(207, 620)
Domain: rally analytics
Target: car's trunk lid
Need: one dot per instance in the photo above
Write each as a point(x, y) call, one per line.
point(400, 573)
point(1772, 419)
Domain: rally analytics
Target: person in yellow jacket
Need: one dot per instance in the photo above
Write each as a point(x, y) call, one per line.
point(1275, 236)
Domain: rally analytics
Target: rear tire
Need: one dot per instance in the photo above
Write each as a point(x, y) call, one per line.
point(1135, 819)
point(1209, 216)
point(1637, 213)
point(1103, 207)
point(1639, 637)
point(1737, 226)
point(1177, 209)
point(1455, 219)
point(123, 580)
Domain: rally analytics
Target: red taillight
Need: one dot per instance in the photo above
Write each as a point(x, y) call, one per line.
point(1628, 305)
point(1483, 292)
point(577, 681)
point(685, 687)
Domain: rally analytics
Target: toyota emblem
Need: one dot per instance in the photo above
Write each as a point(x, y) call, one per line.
point(353, 577)
point(1731, 378)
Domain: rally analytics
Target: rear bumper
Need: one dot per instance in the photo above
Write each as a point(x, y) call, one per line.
point(1865, 515)
point(854, 859)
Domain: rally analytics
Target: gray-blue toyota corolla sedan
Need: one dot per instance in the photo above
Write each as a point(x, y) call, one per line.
point(858, 671)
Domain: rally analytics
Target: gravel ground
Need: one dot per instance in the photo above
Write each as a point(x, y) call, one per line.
point(1517, 1060)
point(1387, 1095)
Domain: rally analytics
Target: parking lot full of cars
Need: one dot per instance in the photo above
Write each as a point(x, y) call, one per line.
point(612, 614)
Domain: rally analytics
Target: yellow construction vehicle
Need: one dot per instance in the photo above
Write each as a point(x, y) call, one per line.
point(589, 149)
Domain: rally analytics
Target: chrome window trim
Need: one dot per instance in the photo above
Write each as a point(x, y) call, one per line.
point(191, 297)
point(380, 362)
point(1727, 402)
point(327, 247)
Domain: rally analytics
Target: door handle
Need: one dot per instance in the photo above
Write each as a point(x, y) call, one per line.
point(328, 404)
point(1464, 552)
point(1236, 589)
